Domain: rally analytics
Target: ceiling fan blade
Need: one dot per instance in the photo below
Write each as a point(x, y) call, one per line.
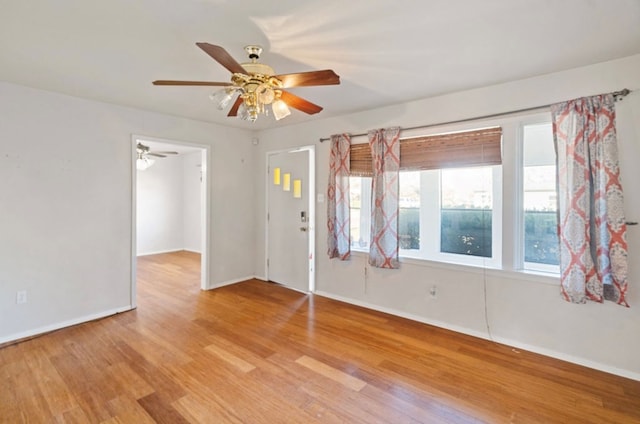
point(166, 153)
point(299, 103)
point(158, 155)
point(234, 109)
point(221, 56)
point(208, 83)
point(301, 79)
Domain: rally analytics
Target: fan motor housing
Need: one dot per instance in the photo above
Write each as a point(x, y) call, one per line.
point(253, 68)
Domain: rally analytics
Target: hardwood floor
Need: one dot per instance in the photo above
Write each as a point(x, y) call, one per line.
point(255, 352)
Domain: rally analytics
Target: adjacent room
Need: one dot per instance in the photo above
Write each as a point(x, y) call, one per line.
point(170, 200)
point(363, 212)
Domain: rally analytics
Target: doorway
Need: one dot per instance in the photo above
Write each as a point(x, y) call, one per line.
point(170, 202)
point(290, 250)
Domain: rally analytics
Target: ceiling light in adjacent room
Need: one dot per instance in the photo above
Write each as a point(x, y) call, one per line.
point(144, 163)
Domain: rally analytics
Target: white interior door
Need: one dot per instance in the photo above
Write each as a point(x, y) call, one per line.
point(289, 259)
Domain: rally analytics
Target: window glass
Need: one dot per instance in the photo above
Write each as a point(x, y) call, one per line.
point(539, 199)
point(409, 204)
point(360, 203)
point(466, 211)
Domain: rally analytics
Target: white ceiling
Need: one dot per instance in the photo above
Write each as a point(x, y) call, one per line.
point(386, 52)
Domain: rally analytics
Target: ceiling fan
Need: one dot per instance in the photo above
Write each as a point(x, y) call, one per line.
point(143, 161)
point(257, 85)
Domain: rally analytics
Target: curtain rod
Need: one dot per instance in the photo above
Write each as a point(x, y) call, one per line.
point(618, 95)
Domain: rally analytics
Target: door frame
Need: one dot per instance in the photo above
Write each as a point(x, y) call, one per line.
point(205, 214)
point(311, 220)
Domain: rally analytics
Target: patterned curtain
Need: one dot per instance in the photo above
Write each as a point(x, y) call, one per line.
point(338, 212)
point(385, 152)
point(593, 247)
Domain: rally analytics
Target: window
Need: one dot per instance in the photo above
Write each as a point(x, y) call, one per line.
point(449, 197)
point(539, 199)
point(452, 210)
point(449, 190)
point(446, 215)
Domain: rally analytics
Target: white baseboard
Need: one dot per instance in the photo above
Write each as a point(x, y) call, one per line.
point(513, 343)
point(406, 315)
point(569, 358)
point(229, 282)
point(158, 252)
point(57, 326)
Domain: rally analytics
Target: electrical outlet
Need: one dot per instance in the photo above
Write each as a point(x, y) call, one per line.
point(21, 296)
point(433, 292)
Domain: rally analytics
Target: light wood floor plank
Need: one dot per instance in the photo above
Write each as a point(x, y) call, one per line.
point(127, 409)
point(129, 380)
point(230, 358)
point(332, 373)
point(53, 388)
point(201, 410)
point(73, 416)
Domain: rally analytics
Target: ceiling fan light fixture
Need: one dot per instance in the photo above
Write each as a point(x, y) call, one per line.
point(247, 113)
point(265, 93)
point(253, 114)
point(222, 97)
point(280, 109)
point(243, 113)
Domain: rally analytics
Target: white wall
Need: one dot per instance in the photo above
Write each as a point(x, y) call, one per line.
point(160, 207)
point(523, 311)
point(191, 211)
point(66, 199)
point(168, 206)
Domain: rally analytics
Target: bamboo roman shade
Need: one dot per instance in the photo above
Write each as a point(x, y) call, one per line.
point(452, 150)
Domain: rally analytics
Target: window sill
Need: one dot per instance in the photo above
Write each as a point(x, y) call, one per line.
point(521, 275)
